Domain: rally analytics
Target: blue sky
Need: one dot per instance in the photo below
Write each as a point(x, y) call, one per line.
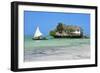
point(48, 21)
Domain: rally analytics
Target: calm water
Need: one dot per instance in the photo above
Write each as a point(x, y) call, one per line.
point(55, 49)
point(30, 44)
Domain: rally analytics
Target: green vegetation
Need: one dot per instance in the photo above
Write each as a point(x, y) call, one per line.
point(69, 31)
point(52, 33)
point(60, 27)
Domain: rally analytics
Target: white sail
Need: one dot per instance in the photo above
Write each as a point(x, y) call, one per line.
point(37, 33)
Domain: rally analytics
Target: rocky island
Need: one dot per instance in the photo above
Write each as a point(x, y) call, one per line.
point(66, 31)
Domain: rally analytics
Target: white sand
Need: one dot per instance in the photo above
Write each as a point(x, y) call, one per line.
point(58, 53)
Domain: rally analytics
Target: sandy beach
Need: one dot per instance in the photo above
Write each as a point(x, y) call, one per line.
point(57, 53)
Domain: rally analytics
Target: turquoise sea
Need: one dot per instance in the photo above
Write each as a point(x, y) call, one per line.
point(30, 44)
point(56, 49)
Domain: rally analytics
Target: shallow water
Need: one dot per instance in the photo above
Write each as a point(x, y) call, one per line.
point(56, 49)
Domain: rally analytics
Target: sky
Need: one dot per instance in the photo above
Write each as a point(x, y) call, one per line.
point(48, 21)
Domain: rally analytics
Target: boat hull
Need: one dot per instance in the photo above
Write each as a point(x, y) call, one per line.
point(39, 38)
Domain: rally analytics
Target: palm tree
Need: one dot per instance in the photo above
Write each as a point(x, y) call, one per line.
point(60, 27)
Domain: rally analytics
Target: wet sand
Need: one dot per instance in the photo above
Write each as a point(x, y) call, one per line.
point(57, 53)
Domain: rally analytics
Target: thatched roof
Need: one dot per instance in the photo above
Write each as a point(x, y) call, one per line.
point(72, 27)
